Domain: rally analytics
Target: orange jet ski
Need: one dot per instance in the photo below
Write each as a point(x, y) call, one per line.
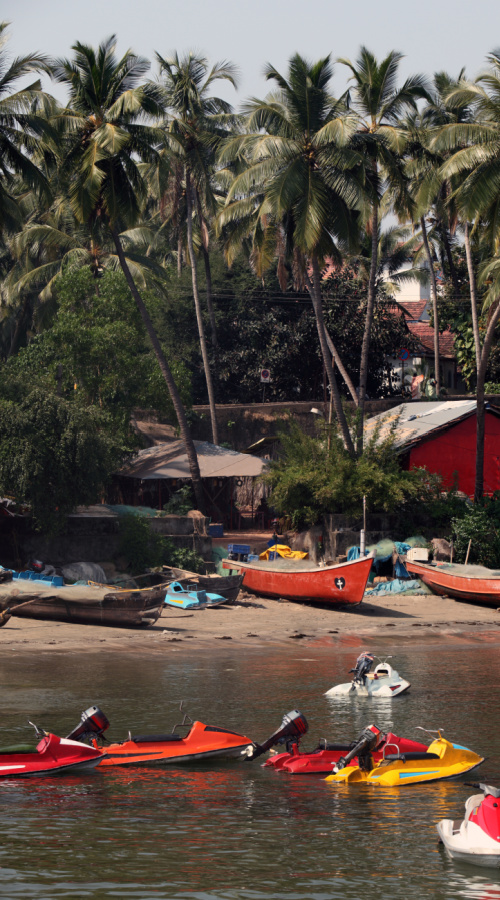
point(199, 742)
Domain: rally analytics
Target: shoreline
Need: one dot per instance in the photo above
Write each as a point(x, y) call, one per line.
point(256, 623)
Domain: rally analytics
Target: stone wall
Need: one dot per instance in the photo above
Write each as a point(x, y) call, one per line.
point(88, 538)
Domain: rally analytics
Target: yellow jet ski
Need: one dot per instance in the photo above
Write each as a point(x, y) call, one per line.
point(442, 760)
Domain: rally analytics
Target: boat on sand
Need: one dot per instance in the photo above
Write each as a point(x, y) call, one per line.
point(92, 604)
point(475, 584)
point(338, 584)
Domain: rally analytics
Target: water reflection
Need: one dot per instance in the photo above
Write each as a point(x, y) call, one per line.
point(236, 831)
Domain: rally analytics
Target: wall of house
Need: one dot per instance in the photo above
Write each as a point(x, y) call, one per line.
point(454, 451)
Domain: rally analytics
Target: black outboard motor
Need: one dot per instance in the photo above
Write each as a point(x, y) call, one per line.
point(92, 724)
point(363, 665)
point(294, 725)
point(368, 740)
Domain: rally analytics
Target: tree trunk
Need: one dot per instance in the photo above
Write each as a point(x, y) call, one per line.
point(434, 306)
point(317, 301)
point(342, 369)
point(199, 319)
point(481, 375)
point(167, 375)
point(365, 347)
point(210, 306)
point(451, 265)
point(473, 296)
point(179, 257)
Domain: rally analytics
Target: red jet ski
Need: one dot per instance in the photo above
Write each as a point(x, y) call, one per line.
point(200, 742)
point(51, 756)
point(322, 758)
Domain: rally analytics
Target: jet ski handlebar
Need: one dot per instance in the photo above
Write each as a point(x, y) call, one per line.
point(294, 725)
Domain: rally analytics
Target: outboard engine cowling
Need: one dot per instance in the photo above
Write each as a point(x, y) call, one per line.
point(368, 740)
point(93, 722)
point(294, 725)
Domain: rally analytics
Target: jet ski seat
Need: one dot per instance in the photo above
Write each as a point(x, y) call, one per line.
point(410, 756)
point(19, 748)
point(154, 738)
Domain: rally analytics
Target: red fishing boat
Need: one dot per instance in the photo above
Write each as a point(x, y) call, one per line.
point(343, 583)
point(51, 756)
point(477, 584)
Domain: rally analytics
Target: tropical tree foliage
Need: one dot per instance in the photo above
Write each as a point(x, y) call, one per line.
point(139, 175)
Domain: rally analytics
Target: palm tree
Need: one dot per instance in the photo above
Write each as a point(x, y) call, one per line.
point(475, 163)
point(380, 105)
point(105, 140)
point(195, 123)
point(299, 187)
point(21, 126)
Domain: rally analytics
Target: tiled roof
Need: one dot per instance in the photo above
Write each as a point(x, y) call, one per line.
point(425, 334)
point(414, 309)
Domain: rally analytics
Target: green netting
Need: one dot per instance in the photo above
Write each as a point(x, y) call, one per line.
point(123, 510)
point(416, 541)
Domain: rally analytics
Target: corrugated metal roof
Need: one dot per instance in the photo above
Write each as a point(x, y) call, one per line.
point(169, 460)
point(419, 420)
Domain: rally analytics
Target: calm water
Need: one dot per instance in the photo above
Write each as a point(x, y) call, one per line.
point(233, 830)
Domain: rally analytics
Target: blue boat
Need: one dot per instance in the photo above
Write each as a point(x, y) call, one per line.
point(191, 596)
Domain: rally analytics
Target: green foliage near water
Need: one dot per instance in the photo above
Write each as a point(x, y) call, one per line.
point(54, 454)
point(315, 476)
point(478, 526)
point(95, 350)
point(144, 548)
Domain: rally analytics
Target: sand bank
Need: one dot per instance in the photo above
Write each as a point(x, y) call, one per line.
point(255, 622)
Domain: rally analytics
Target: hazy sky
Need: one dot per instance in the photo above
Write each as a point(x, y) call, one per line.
point(433, 34)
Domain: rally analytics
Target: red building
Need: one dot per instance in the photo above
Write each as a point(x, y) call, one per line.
point(441, 437)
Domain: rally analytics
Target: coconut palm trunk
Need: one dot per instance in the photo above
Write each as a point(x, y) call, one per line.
point(365, 347)
point(199, 318)
point(167, 375)
point(473, 295)
point(342, 369)
point(480, 414)
point(315, 294)
point(433, 285)
point(210, 306)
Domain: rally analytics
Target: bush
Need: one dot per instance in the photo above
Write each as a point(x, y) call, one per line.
point(145, 549)
point(180, 502)
point(315, 475)
point(142, 547)
point(477, 526)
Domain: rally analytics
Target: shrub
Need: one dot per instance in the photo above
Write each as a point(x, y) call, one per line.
point(180, 502)
point(477, 526)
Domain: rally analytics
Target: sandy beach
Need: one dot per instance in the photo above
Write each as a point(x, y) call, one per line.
point(254, 622)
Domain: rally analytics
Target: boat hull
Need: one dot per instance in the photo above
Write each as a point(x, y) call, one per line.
point(322, 761)
point(469, 843)
point(339, 584)
point(93, 605)
point(52, 756)
point(443, 760)
point(202, 742)
point(447, 582)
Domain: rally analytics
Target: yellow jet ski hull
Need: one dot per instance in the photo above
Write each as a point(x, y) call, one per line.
point(442, 760)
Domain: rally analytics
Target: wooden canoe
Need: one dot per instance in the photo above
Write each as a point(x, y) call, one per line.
point(340, 584)
point(475, 584)
point(84, 604)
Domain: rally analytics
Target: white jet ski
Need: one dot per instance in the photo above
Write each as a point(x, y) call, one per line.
point(475, 839)
point(384, 681)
